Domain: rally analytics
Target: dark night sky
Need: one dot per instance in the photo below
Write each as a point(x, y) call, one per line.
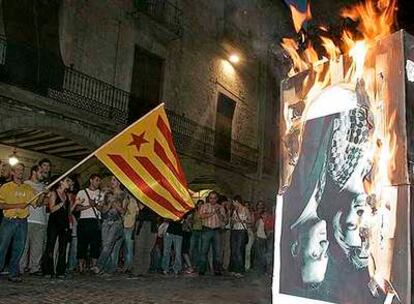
point(406, 15)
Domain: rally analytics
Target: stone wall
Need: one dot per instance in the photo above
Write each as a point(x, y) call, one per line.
point(98, 38)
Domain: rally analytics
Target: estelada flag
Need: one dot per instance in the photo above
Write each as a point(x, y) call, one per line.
point(144, 159)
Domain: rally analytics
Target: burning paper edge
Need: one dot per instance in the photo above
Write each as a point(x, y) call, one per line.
point(333, 99)
point(276, 295)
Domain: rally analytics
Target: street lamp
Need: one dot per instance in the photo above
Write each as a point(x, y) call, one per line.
point(234, 58)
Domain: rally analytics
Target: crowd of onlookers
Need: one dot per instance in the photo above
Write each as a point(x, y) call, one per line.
point(103, 229)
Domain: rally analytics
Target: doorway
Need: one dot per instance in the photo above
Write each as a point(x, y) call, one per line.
point(223, 129)
point(147, 78)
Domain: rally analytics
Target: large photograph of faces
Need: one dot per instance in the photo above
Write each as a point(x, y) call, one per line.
point(342, 234)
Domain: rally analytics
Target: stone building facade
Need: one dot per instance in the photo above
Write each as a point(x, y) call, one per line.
point(96, 65)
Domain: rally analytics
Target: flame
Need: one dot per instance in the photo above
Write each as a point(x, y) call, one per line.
point(375, 20)
point(358, 54)
point(331, 49)
point(299, 18)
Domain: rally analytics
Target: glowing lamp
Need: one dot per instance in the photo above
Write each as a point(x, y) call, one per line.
point(13, 160)
point(234, 58)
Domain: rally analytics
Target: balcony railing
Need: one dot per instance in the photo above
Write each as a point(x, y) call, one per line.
point(51, 78)
point(193, 139)
point(44, 73)
point(92, 95)
point(162, 11)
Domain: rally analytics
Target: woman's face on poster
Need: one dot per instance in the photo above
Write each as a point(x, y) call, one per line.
point(314, 253)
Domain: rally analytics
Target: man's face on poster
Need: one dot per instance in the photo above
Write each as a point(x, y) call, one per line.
point(351, 231)
point(355, 220)
point(313, 243)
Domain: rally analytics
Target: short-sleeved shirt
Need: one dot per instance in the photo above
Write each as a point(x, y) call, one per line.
point(12, 194)
point(240, 218)
point(38, 214)
point(94, 195)
point(213, 221)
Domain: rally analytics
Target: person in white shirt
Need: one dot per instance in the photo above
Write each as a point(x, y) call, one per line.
point(88, 202)
point(240, 220)
point(36, 229)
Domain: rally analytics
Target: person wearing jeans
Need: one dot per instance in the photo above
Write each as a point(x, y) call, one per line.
point(112, 229)
point(173, 236)
point(196, 232)
point(14, 200)
point(144, 240)
point(131, 211)
point(36, 228)
point(212, 216)
point(239, 221)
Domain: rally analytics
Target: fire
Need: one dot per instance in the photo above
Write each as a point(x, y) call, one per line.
point(331, 49)
point(299, 18)
point(375, 19)
point(358, 54)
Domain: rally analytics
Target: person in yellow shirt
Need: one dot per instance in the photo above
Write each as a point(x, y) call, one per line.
point(15, 197)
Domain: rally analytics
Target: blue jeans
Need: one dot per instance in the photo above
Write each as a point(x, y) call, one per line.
point(72, 260)
point(12, 231)
point(128, 248)
point(111, 233)
point(195, 250)
point(127, 244)
point(177, 240)
point(238, 240)
point(210, 237)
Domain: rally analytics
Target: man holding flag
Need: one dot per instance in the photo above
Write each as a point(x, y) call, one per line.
point(15, 197)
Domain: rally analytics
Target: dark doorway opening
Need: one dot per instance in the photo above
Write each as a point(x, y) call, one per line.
point(146, 83)
point(223, 130)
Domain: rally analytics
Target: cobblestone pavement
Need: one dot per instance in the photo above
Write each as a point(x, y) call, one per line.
point(152, 289)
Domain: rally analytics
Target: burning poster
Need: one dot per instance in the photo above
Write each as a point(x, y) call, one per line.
point(343, 205)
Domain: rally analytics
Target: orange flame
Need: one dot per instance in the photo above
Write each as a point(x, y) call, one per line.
point(331, 49)
point(376, 18)
point(299, 18)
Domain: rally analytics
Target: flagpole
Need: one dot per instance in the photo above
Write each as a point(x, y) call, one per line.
point(94, 152)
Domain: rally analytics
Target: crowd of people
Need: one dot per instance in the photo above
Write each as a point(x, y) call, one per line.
point(56, 230)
